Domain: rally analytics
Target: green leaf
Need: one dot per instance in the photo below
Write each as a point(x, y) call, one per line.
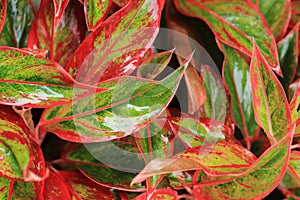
point(15, 148)
point(31, 80)
point(95, 12)
point(236, 74)
point(117, 46)
point(277, 14)
point(114, 113)
point(294, 164)
point(19, 16)
point(271, 109)
point(160, 194)
point(4, 185)
point(288, 57)
point(235, 23)
point(154, 65)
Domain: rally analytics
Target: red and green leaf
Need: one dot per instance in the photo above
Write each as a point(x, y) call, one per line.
point(31, 80)
point(235, 23)
point(277, 14)
point(114, 113)
point(95, 12)
point(15, 154)
point(117, 46)
point(271, 109)
point(3, 7)
point(85, 161)
point(154, 65)
point(19, 16)
point(221, 158)
point(236, 74)
point(294, 164)
point(159, 194)
point(256, 182)
point(288, 56)
point(59, 9)
point(62, 38)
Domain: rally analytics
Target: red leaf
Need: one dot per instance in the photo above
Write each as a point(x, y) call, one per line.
point(59, 9)
point(55, 188)
point(108, 52)
point(62, 38)
point(3, 7)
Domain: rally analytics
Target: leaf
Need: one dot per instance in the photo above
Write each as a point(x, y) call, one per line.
point(95, 12)
point(295, 103)
point(5, 189)
point(216, 105)
point(277, 14)
point(55, 188)
point(159, 194)
point(59, 9)
point(114, 113)
point(218, 159)
point(121, 3)
point(15, 148)
point(194, 82)
point(61, 39)
point(85, 161)
point(271, 109)
point(236, 74)
point(288, 56)
point(118, 45)
point(235, 23)
point(19, 16)
point(33, 81)
point(294, 164)
point(258, 181)
point(26, 190)
point(295, 13)
point(3, 8)
point(83, 188)
point(154, 65)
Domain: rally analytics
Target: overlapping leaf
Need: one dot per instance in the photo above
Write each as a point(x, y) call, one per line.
point(59, 8)
point(19, 16)
point(271, 109)
point(31, 80)
point(62, 38)
point(288, 56)
point(235, 23)
point(3, 7)
point(114, 113)
point(294, 164)
point(55, 188)
point(95, 12)
point(159, 194)
point(154, 65)
point(236, 74)
point(256, 182)
point(88, 162)
point(118, 45)
point(277, 14)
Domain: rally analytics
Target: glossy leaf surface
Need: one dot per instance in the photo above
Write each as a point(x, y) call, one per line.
point(100, 173)
point(19, 16)
point(95, 12)
point(271, 108)
point(236, 74)
point(41, 84)
point(118, 45)
point(114, 113)
point(235, 23)
point(277, 14)
point(62, 38)
point(288, 56)
point(160, 194)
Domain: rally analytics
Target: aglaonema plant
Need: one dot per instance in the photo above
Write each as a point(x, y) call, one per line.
point(115, 99)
